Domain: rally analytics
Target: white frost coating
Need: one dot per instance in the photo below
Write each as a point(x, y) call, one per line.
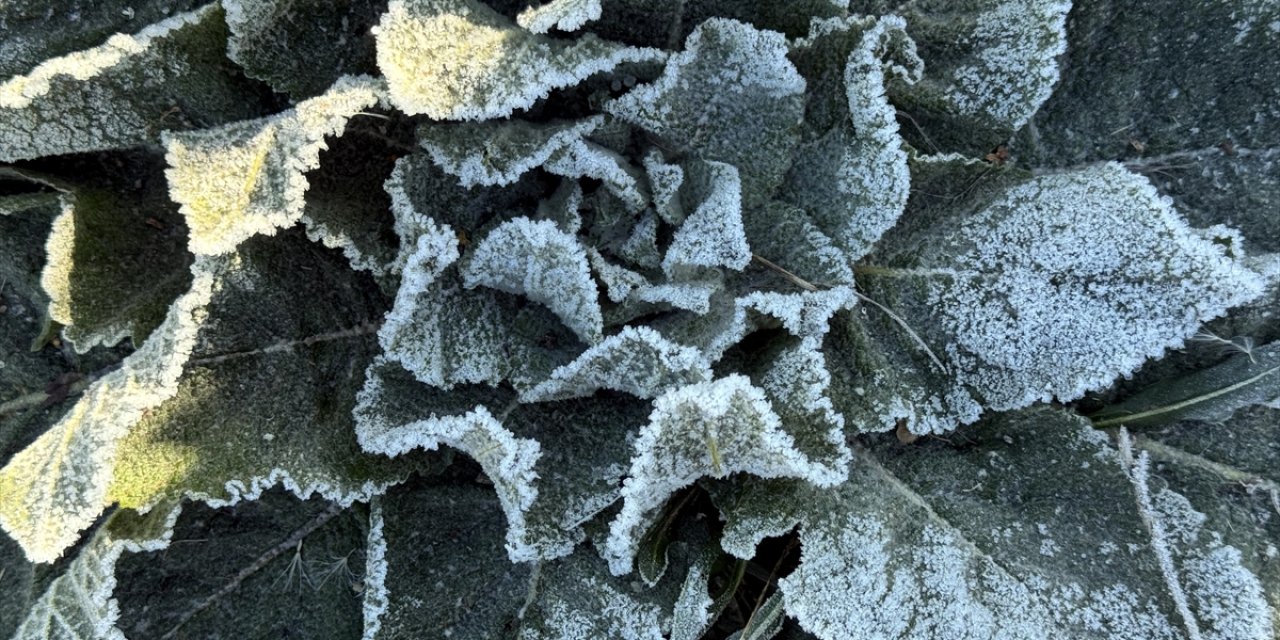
point(247, 178)
point(622, 284)
point(56, 487)
point(1073, 279)
point(87, 100)
point(613, 614)
point(797, 384)
point(78, 605)
point(376, 596)
point(637, 360)
point(641, 247)
point(692, 612)
point(855, 183)
point(543, 263)
point(565, 15)
point(1015, 62)
point(507, 460)
point(579, 158)
point(498, 153)
point(707, 429)
point(804, 315)
point(336, 238)
point(1197, 567)
point(664, 183)
point(712, 236)
point(460, 60)
point(55, 279)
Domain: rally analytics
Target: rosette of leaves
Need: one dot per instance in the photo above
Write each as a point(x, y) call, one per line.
point(638, 319)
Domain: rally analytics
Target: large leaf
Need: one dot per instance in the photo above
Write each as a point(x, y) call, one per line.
point(126, 91)
point(300, 48)
point(248, 177)
point(280, 565)
point(461, 60)
point(282, 309)
point(117, 253)
point(730, 96)
point(78, 605)
point(546, 493)
point(1015, 533)
point(1035, 289)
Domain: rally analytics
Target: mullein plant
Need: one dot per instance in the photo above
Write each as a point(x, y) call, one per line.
point(639, 319)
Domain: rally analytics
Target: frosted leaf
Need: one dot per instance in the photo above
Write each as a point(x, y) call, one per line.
point(461, 60)
point(561, 207)
point(301, 48)
point(499, 152)
point(641, 247)
point(353, 213)
point(664, 182)
point(730, 96)
point(637, 360)
point(281, 309)
point(583, 159)
point(116, 259)
point(989, 64)
point(36, 30)
point(786, 235)
point(712, 235)
point(797, 383)
point(1250, 377)
point(56, 487)
point(564, 15)
point(577, 599)
point(548, 266)
point(124, 92)
point(625, 286)
point(990, 287)
point(247, 178)
point(444, 572)
point(295, 567)
point(546, 494)
point(706, 429)
point(78, 605)
point(953, 541)
point(850, 174)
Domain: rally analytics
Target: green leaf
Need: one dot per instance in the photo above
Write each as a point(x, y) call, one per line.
point(765, 622)
point(281, 309)
point(461, 60)
point(281, 565)
point(636, 360)
point(730, 79)
point(116, 255)
point(301, 48)
point(498, 153)
point(126, 91)
point(708, 429)
point(1033, 289)
point(989, 65)
point(1034, 527)
point(78, 605)
point(850, 173)
point(1209, 395)
point(247, 178)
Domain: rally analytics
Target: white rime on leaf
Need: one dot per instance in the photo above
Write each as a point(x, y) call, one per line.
point(797, 385)
point(664, 182)
point(565, 15)
point(543, 263)
point(712, 236)
point(1070, 280)
point(583, 159)
point(852, 178)
point(623, 285)
point(461, 60)
point(730, 96)
point(637, 360)
point(1001, 69)
point(375, 597)
point(78, 605)
point(507, 460)
point(707, 429)
point(247, 178)
point(498, 153)
point(56, 487)
point(102, 97)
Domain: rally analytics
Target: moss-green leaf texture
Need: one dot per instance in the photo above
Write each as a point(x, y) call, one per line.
point(643, 319)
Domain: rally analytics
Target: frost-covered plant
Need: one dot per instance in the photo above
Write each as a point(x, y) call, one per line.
point(639, 319)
